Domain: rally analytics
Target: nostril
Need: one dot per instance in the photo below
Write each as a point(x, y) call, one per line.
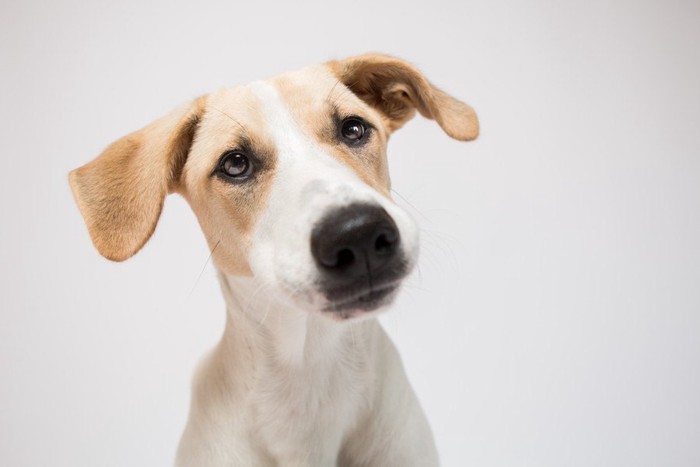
point(335, 258)
point(384, 244)
point(385, 241)
point(344, 259)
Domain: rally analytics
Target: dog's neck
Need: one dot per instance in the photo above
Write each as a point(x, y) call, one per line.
point(270, 330)
point(304, 380)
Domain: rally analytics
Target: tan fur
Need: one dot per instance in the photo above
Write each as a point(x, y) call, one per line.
point(300, 92)
point(120, 194)
point(227, 212)
point(397, 89)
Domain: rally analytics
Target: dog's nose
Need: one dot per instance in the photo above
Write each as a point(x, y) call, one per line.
point(355, 241)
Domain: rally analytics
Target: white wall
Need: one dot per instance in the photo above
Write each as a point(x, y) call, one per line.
point(556, 317)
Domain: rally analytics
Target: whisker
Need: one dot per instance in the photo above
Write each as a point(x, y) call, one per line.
point(206, 263)
point(328, 97)
point(261, 287)
point(433, 242)
point(267, 312)
point(230, 118)
point(411, 287)
point(411, 205)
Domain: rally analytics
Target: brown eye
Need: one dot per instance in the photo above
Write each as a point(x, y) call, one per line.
point(235, 164)
point(353, 130)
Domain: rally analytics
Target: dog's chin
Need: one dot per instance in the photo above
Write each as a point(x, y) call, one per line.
point(361, 304)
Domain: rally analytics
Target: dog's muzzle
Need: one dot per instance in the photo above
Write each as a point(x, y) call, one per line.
point(357, 249)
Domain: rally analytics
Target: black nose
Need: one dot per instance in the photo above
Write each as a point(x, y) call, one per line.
point(356, 241)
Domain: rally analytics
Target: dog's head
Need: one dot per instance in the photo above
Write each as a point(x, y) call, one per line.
point(287, 177)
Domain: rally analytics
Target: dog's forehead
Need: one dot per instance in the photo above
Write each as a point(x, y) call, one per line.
point(310, 88)
point(308, 95)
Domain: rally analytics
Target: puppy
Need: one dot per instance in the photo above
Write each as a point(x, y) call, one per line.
point(289, 181)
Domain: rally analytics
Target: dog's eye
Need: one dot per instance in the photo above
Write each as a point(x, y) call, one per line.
point(353, 130)
point(235, 164)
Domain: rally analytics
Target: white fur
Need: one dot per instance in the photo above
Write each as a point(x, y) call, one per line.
point(290, 387)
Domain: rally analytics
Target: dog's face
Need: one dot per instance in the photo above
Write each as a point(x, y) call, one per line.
point(288, 178)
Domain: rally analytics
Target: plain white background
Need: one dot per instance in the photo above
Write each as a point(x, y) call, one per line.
point(555, 319)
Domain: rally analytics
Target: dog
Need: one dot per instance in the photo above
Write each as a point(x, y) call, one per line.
point(289, 181)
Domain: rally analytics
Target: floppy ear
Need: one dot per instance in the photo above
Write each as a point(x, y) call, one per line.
point(120, 194)
point(397, 90)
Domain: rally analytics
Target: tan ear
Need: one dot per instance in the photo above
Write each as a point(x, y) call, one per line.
point(397, 89)
point(120, 194)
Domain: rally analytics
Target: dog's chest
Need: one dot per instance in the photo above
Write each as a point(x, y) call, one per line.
point(313, 406)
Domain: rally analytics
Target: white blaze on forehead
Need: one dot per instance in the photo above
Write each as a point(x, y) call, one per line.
point(286, 133)
point(304, 169)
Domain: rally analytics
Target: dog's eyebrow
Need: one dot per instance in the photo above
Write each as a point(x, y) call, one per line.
point(243, 138)
point(243, 130)
point(343, 94)
point(330, 93)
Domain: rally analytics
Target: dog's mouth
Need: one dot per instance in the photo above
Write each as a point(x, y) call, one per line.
point(348, 303)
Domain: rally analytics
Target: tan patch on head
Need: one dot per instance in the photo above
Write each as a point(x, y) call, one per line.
point(318, 101)
point(397, 89)
point(226, 210)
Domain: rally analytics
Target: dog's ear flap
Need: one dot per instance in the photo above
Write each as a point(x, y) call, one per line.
point(397, 90)
point(120, 194)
